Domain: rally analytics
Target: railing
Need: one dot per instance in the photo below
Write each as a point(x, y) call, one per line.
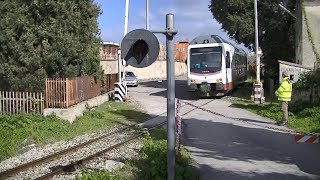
point(18, 102)
point(65, 92)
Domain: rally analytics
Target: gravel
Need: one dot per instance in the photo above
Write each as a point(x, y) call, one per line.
point(42, 151)
point(109, 161)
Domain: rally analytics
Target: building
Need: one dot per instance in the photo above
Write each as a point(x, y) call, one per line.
point(109, 57)
point(162, 53)
point(294, 70)
point(180, 51)
point(109, 51)
point(307, 32)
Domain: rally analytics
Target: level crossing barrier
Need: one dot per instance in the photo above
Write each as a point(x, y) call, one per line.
point(298, 136)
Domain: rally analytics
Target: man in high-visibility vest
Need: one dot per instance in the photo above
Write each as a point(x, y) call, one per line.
point(284, 96)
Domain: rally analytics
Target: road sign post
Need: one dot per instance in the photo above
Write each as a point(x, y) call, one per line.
point(170, 99)
point(140, 48)
point(170, 32)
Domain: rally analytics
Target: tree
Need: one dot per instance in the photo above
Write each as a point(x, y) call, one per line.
point(276, 27)
point(52, 38)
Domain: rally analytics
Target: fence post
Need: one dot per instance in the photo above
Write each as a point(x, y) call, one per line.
point(1, 97)
point(67, 92)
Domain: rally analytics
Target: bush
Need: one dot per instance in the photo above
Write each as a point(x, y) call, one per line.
point(153, 163)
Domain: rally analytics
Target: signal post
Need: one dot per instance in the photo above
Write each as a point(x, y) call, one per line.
point(140, 48)
point(258, 96)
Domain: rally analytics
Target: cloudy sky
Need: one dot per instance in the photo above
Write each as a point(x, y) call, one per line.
point(192, 18)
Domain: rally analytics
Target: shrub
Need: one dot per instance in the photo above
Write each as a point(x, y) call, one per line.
point(153, 163)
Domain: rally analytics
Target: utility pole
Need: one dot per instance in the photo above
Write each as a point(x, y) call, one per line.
point(256, 41)
point(147, 14)
point(126, 18)
point(258, 96)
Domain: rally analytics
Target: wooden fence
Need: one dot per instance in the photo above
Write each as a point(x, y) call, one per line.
point(109, 79)
point(65, 92)
point(59, 93)
point(17, 102)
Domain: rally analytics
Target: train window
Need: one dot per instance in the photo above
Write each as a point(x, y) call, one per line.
point(228, 60)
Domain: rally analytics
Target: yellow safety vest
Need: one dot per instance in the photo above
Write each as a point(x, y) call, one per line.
point(284, 90)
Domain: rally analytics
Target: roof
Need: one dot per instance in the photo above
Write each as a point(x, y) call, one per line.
point(294, 65)
point(214, 39)
point(110, 43)
point(208, 39)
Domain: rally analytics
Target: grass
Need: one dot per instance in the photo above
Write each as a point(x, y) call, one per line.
point(303, 117)
point(102, 175)
point(150, 164)
point(22, 130)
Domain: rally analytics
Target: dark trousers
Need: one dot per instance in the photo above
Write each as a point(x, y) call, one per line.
point(284, 108)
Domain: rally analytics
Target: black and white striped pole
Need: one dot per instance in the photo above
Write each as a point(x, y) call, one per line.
point(140, 48)
point(119, 89)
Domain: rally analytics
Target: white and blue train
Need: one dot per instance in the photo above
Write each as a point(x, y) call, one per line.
point(215, 66)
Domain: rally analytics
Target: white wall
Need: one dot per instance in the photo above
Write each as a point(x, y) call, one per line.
point(157, 70)
point(291, 69)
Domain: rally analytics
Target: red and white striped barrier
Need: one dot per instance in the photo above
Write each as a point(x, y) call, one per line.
point(307, 138)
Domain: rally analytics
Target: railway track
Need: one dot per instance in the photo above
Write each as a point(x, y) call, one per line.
point(70, 159)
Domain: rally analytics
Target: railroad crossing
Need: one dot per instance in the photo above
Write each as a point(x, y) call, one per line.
point(225, 148)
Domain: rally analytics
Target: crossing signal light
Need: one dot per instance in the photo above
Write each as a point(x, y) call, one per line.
point(140, 48)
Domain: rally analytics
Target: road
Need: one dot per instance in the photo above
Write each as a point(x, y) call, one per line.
point(224, 148)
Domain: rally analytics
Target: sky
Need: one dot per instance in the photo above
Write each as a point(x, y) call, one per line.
point(191, 18)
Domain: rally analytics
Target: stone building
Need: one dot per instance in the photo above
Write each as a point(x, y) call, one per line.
point(162, 53)
point(307, 44)
point(180, 51)
point(109, 51)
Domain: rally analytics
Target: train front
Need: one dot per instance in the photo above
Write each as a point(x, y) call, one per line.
point(205, 72)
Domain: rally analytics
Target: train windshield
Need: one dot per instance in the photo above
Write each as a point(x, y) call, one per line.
point(205, 60)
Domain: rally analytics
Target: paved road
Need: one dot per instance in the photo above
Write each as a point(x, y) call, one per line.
point(224, 148)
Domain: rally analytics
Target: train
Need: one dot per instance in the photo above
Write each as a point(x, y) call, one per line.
point(215, 66)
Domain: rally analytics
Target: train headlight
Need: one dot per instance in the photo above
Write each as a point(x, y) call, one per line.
point(193, 81)
point(219, 80)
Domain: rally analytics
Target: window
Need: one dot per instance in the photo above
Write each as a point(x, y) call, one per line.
point(291, 77)
point(228, 60)
point(205, 59)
